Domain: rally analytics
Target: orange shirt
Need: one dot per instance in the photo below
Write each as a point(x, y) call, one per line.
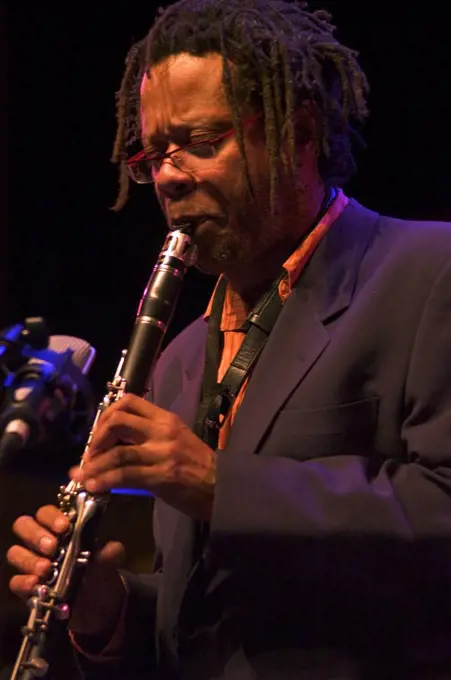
point(234, 312)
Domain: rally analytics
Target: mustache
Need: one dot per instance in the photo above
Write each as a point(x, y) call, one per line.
point(211, 203)
point(194, 220)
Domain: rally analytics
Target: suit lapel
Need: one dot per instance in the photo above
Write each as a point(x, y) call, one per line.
point(185, 377)
point(187, 400)
point(296, 342)
point(300, 335)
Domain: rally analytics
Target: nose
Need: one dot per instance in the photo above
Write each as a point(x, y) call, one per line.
point(173, 182)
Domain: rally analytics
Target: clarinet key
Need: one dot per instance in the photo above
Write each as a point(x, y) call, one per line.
point(62, 612)
point(38, 667)
point(41, 591)
point(84, 557)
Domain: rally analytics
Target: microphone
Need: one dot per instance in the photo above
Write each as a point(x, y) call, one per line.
point(33, 333)
point(47, 397)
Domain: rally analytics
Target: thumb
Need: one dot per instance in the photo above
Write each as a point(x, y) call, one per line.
point(111, 554)
point(101, 594)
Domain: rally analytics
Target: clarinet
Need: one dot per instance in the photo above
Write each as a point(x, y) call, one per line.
point(52, 599)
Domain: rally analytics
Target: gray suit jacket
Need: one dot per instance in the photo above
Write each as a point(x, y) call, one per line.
point(329, 552)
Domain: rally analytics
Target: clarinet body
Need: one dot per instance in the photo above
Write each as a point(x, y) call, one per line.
point(52, 599)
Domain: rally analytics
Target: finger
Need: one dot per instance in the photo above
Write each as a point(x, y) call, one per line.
point(119, 456)
point(23, 585)
point(34, 535)
point(27, 562)
point(130, 403)
point(133, 477)
point(121, 427)
point(52, 518)
point(113, 553)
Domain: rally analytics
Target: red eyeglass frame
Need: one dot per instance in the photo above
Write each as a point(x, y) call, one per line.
point(143, 154)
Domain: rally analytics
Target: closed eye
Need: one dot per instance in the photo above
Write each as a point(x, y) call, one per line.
point(207, 147)
point(203, 148)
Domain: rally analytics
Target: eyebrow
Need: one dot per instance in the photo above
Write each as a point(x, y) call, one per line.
point(182, 131)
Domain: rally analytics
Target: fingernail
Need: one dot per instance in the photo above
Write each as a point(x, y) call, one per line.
point(91, 484)
point(60, 524)
point(76, 474)
point(30, 583)
point(42, 567)
point(46, 545)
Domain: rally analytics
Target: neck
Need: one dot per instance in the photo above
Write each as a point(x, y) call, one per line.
point(252, 280)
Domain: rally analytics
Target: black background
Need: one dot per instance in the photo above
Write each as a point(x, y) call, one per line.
point(67, 257)
point(83, 267)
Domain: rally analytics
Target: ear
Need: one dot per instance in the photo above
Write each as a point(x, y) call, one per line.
point(307, 142)
point(306, 125)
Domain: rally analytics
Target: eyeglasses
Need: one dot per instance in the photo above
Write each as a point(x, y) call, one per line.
point(144, 166)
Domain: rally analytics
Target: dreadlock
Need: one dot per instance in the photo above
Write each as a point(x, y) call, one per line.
point(285, 56)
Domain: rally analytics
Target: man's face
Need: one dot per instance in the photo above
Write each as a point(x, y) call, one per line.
point(182, 100)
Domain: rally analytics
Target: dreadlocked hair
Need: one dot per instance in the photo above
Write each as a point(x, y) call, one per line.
point(284, 56)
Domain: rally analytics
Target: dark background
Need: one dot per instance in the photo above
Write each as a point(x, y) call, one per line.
point(67, 257)
point(83, 267)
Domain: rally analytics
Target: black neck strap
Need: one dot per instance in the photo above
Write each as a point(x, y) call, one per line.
point(217, 398)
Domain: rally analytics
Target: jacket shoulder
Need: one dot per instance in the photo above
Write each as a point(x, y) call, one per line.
point(426, 238)
point(404, 243)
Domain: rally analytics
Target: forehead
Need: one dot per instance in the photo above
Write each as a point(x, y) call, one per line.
point(183, 90)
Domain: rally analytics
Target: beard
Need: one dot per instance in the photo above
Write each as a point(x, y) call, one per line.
point(243, 241)
point(233, 246)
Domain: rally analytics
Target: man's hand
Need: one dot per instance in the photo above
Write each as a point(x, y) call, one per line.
point(102, 592)
point(138, 445)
